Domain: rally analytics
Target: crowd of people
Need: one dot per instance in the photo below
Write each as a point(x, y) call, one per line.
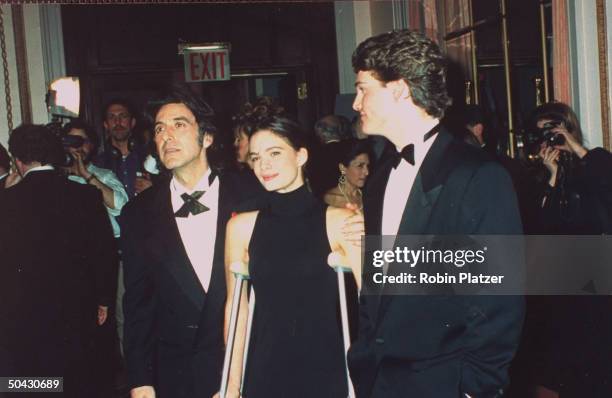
point(136, 243)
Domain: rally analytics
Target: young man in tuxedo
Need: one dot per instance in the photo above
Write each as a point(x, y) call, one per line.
point(57, 266)
point(173, 241)
point(428, 346)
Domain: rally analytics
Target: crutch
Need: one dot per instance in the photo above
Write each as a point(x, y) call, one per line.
point(334, 260)
point(241, 274)
point(248, 336)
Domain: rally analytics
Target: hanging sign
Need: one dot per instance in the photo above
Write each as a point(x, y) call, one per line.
point(206, 63)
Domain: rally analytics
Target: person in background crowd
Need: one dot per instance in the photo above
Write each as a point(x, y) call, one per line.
point(122, 153)
point(5, 165)
point(572, 346)
point(84, 171)
point(114, 196)
point(57, 267)
point(354, 168)
point(173, 238)
point(329, 131)
point(428, 346)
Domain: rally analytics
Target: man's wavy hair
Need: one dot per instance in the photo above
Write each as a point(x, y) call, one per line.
point(203, 112)
point(408, 55)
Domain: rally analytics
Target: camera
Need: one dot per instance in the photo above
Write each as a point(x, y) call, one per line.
point(550, 137)
point(67, 141)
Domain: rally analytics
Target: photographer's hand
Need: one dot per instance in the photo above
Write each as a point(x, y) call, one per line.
point(571, 144)
point(550, 159)
point(79, 167)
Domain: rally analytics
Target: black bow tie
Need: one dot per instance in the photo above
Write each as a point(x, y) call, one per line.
point(407, 154)
point(191, 205)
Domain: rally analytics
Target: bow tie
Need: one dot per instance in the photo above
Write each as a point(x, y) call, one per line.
point(191, 205)
point(407, 154)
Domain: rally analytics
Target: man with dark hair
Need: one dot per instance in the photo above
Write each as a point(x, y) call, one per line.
point(57, 266)
point(5, 165)
point(428, 346)
point(173, 239)
point(123, 154)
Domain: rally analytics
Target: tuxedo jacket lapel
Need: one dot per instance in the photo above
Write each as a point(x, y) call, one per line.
point(422, 199)
point(166, 242)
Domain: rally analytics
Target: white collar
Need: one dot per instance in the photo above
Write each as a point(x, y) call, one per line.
point(39, 168)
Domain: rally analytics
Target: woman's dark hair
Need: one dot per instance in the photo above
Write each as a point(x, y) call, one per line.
point(350, 149)
point(254, 113)
point(411, 56)
point(285, 128)
point(557, 111)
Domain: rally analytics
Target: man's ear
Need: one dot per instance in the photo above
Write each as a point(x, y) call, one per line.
point(400, 89)
point(132, 123)
point(302, 156)
point(207, 140)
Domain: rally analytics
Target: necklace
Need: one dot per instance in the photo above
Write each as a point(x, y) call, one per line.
point(358, 196)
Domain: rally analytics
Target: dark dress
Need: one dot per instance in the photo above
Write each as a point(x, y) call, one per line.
point(296, 345)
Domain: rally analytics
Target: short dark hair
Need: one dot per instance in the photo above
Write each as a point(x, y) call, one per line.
point(473, 115)
point(87, 128)
point(120, 101)
point(285, 128)
point(203, 112)
point(351, 148)
point(5, 160)
point(35, 143)
point(411, 56)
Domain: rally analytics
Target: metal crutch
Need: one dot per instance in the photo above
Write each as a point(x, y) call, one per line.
point(240, 271)
point(334, 260)
point(248, 336)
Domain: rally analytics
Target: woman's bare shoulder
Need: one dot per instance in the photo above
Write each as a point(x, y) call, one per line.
point(242, 224)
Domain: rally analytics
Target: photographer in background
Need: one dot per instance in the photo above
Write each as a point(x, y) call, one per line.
point(577, 198)
point(81, 142)
point(570, 337)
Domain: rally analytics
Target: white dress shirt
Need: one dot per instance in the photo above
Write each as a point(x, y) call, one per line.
point(199, 232)
point(399, 186)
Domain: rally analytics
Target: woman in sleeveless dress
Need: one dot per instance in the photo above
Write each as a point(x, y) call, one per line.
point(295, 347)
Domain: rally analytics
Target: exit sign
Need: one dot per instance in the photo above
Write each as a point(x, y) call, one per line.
point(206, 63)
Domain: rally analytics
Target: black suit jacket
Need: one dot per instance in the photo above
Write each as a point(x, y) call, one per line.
point(173, 328)
point(56, 265)
point(440, 346)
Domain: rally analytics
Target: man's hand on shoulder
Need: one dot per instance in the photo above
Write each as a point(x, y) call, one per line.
point(142, 392)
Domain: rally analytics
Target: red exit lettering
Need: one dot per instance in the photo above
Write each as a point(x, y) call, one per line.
point(204, 66)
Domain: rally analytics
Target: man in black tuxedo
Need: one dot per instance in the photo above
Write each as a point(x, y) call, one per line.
point(56, 266)
point(173, 246)
point(428, 346)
